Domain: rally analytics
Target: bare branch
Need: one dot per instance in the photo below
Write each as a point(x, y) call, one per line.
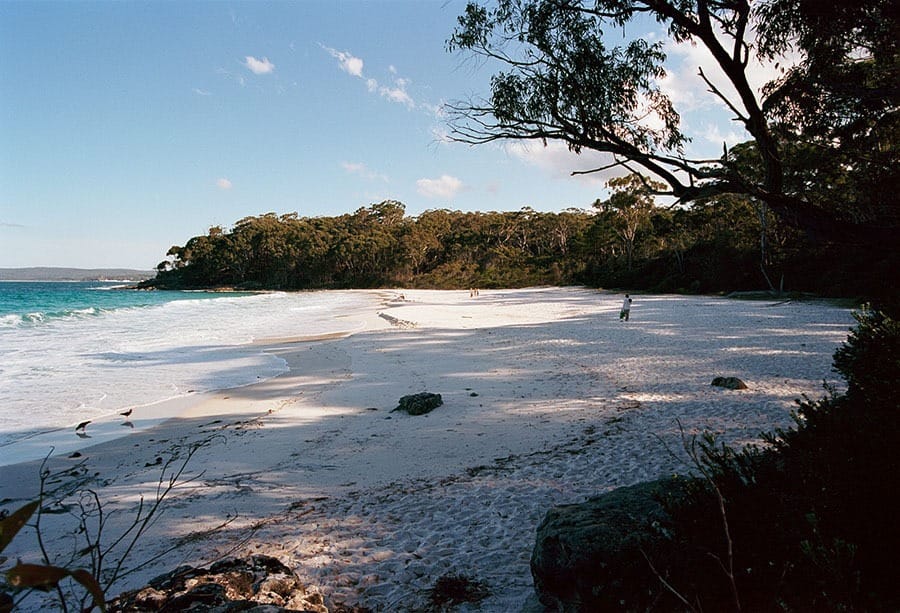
point(593, 170)
point(715, 90)
point(668, 585)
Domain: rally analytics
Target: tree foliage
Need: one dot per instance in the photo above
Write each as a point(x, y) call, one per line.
point(627, 241)
point(566, 77)
point(629, 209)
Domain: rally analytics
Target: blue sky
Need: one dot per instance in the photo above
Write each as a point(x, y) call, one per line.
point(127, 127)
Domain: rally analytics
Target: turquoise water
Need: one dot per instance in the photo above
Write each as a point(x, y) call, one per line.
point(34, 302)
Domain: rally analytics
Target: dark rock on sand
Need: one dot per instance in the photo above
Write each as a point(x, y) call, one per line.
point(259, 583)
point(419, 404)
point(591, 556)
point(732, 383)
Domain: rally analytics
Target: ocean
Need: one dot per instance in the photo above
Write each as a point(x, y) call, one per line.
point(70, 352)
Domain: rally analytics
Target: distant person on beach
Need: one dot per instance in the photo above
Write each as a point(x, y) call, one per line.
point(626, 308)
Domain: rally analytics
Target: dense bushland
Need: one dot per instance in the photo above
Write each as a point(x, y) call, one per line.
point(713, 246)
point(807, 523)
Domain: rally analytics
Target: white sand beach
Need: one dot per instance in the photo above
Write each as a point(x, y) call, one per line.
point(548, 399)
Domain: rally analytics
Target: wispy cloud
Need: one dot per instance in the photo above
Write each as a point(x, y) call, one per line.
point(361, 170)
point(257, 66)
point(347, 61)
point(437, 110)
point(444, 186)
point(556, 160)
point(223, 183)
point(235, 77)
point(714, 135)
point(201, 92)
point(4, 224)
point(441, 135)
point(396, 91)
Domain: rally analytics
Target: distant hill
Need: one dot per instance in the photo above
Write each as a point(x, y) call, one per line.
point(74, 274)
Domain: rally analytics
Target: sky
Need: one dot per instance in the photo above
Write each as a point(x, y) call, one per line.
point(129, 127)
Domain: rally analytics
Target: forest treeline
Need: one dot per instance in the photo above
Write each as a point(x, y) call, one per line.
point(724, 244)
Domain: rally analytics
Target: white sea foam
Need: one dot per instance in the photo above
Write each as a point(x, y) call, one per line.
point(96, 363)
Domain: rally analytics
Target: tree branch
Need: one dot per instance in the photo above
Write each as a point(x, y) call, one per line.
point(715, 90)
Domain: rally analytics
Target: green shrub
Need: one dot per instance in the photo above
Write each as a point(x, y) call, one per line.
point(809, 519)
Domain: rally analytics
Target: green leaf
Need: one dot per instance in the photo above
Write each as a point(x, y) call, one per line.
point(10, 526)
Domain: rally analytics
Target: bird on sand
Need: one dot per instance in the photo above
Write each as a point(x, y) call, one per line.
point(82, 425)
point(126, 413)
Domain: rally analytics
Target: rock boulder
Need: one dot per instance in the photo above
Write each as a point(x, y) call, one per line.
point(591, 556)
point(732, 383)
point(419, 404)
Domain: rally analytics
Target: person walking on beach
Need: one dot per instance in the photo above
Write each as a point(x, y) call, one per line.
point(626, 308)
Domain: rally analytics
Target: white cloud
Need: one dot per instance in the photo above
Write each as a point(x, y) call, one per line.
point(223, 183)
point(361, 170)
point(353, 65)
point(703, 114)
point(201, 92)
point(437, 110)
point(556, 160)
point(397, 94)
point(348, 62)
point(688, 91)
point(681, 82)
point(714, 135)
point(443, 187)
point(441, 135)
point(257, 66)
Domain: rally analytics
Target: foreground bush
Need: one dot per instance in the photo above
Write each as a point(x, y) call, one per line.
point(809, 522)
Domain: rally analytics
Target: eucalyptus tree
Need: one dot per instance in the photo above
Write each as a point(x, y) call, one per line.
point(629, 209)
point(565, 77)
point(422, 240)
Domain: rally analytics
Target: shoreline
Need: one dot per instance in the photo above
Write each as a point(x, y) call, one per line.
point(61, 440)
point(548, 399)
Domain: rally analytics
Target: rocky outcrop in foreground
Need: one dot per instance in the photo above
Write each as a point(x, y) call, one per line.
point(257, 584)
point(596, 556)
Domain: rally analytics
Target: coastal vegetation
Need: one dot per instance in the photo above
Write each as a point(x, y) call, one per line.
point(721, 244)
